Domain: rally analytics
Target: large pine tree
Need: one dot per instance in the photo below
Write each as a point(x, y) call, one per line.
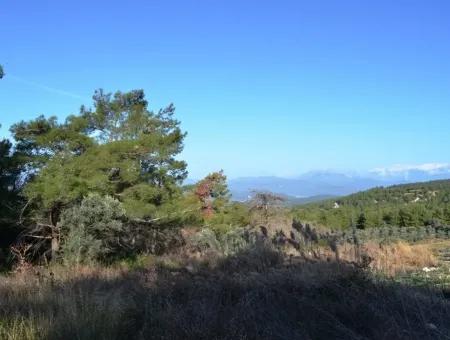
point(118, 148)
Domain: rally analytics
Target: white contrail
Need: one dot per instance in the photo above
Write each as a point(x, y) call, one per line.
point(46, 88)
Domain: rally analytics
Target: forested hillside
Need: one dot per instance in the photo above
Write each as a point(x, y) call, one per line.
point(408, 205)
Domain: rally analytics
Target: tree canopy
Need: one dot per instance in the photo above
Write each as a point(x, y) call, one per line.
point(212, 191)
point(118, 148)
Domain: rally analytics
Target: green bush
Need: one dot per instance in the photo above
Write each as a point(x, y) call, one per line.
point(229, 243)
point(91, 230)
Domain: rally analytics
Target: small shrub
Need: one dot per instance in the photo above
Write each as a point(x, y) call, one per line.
point(92, 229)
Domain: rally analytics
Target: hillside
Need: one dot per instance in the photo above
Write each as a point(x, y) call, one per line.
point(408, 205)
point(431, 192)
point(326, 183)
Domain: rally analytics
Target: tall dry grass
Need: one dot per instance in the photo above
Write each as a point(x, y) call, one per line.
point(254, 295)
point(400, 257)
point(391, 258)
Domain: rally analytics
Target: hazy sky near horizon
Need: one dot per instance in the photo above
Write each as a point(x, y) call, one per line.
point(262, 87)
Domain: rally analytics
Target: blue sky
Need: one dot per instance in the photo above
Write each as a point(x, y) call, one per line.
point(262, 87)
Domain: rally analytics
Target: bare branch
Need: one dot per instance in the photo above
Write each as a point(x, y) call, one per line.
point(41, 237)
point(23, 210)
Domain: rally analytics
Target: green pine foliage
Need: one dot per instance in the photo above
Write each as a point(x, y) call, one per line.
point(119, 148)
point(10, 200)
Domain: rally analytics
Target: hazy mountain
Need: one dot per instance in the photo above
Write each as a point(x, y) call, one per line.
point(329, 183)
point(317, 185)
point(311, 184)
point(413, 173)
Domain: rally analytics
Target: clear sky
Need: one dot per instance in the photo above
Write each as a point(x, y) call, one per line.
point(262, 87)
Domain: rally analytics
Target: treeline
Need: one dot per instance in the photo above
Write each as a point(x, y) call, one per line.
point(410, 205)
point(104, 183)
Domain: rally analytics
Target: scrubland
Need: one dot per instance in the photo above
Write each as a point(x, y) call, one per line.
point(258, 293)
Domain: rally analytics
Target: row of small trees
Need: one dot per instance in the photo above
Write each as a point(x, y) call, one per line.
point(389, 234)
point(375, 216)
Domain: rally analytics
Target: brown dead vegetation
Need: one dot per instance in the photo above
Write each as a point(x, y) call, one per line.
point(255, 294)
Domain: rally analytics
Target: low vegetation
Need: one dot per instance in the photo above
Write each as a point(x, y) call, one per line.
point(252, 295)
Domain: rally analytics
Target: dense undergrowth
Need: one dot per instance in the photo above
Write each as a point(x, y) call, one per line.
point(256, 294)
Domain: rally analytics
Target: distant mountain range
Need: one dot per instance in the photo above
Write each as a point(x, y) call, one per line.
point(318, 185)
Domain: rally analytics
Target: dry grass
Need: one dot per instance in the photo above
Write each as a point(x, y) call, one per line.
point(400, 257)
point(391, 258)
point(250, 296)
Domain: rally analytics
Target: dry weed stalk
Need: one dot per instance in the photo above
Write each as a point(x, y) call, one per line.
point(20, 252)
